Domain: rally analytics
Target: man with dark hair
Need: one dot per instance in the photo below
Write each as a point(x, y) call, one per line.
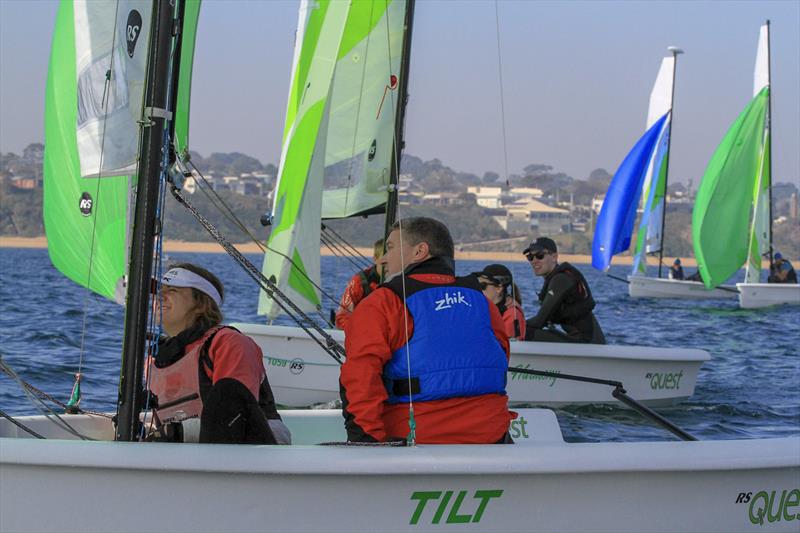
point(429, 338)
point(359, 286)
point(565, 299)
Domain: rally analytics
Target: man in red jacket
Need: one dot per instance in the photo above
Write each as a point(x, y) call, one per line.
point(359, 286)
point(428, 341)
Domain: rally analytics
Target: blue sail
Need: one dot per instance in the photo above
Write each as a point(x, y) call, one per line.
point(612, 234)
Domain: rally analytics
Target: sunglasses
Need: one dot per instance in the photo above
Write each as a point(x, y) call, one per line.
point(539, 255)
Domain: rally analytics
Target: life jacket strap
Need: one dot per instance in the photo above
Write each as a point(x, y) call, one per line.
point(405, 387)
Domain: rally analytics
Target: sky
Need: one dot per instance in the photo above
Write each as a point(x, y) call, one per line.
point(576, 79)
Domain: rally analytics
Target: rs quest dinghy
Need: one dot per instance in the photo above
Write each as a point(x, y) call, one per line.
point(84, 473)
point(540, 483)
point(732, 217)
point(302, 373)
point(641, 179)
point(310, 189)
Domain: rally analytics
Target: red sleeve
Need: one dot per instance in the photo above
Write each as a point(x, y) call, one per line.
point(237, 356)
point(352, 294)
point(514, 312)
point(374, 331)
point(499, 328)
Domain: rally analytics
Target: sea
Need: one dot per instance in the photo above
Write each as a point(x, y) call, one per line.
point(51, 328)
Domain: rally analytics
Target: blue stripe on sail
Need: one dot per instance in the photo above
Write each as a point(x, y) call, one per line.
point(615, 223)
point(651, 216)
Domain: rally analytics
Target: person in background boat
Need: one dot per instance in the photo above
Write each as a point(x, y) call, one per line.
point(208, 371)
point(676, 270)
point(445, 327)
point(565, 299)
point(695, 277)
point(359, 287)
point(781, 270)
point(496, 283)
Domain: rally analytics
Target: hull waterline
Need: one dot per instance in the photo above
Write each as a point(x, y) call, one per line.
point(644, 287)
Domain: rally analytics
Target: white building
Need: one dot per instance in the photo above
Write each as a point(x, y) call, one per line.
point(522, 217)
point(488, 197)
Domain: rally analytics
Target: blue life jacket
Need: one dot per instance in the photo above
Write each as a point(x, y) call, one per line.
point(453, 351)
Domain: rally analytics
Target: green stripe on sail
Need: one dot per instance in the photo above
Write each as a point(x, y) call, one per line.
point(88, 247)
point(296, 164)
point(298, 280)
point(721, 216)
point(190, 17)
point(361, 20)
point(313, 28)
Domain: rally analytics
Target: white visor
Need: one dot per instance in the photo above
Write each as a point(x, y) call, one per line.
point(180, 277)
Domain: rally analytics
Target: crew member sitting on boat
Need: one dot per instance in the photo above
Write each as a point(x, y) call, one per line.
point(496, 283)
point(781, 270)
point(207, 371)
point(360, 286)
point(676, 270)
point(429, 338)
point(565, 299)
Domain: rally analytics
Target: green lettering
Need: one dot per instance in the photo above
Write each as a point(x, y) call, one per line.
point(678, 381)
point(423, 497)
point(485, 496)
point(777, 516)
point(454, 517)
point(522, 422)
point(759, 517)
point(442, 507)
point(654, 382)
point(514, 429)
point(792, 499)
point(669, 381)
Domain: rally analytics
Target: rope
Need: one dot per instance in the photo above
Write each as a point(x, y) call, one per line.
point(19, 424)
point(330, 345)
point(502, 90)
point(352, 250)
point(229, 214)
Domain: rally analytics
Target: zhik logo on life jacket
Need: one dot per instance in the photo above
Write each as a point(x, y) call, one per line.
point(449, 301)
point(85, 204)
point(133, 30)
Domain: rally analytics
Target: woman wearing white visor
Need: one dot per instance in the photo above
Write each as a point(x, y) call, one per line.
point(207, 371)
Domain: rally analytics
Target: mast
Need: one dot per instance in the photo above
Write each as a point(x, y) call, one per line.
point(155, 112)
point(399, 142)
point(675, 51)
point(769, 152)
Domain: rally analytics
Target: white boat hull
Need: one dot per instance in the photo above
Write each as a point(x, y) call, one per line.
point(540, 485)
point(644, 287)
point(301, 373)
point(756, 295)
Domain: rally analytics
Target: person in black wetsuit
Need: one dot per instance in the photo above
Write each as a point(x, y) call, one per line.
point(565, 299)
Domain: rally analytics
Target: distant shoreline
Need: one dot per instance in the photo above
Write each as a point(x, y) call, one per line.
point(251, 248)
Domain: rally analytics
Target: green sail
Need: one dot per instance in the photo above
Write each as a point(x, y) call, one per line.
point(723, 206)
point(340, 116)
point(92, 109)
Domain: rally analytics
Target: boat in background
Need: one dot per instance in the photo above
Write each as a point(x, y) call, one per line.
point(302, 373)
point(738, 230)
point(641, 179)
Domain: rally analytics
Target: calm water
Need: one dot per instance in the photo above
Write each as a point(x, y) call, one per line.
point(750, 388)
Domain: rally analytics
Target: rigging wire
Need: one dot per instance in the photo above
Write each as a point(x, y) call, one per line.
point(320, 336)
point(502, 89)
point(352, 250)
point(219, 203)
point(20, 424)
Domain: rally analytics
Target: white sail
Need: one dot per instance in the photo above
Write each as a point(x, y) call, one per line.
point(110, 83)
point(760, 231)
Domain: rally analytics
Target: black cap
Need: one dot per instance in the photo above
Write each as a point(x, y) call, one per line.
point(542, 244)
point(676, 262)
point(497, 273)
